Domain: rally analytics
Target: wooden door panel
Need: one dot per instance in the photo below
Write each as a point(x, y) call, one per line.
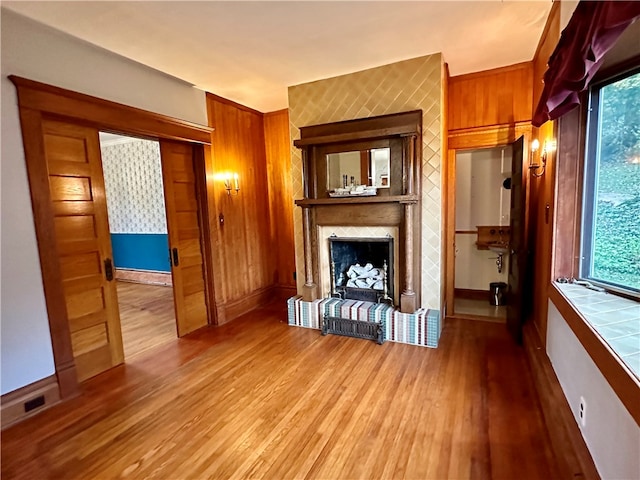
point(92, 363)
point(69, 188)
point(185, 237)
point(80, 228)
point(83, 244)
point(517, 243)
point(88, 339)
point(65, 149)
point(81, 265)
point(79, 323)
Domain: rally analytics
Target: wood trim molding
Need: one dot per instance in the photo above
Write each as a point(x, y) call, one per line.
point(43, 215)
point(105, 114)
point(619, 377)
point(143, 276)
point(490, 136)
point(13, 403)
point(472, 294)
point(471, 138)
point(237, 105)
point(490, 72)
point(564, 433)
point(203, 171)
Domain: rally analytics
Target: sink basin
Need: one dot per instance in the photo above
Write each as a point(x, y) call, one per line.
point(501, 249)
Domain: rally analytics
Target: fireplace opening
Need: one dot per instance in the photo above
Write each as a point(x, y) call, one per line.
point(362, 268)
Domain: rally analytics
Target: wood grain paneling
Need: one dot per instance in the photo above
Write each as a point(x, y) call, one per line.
point(492, 97)
point(234, 403)
point(243, 245)
point(278, 155)
point(546, 45)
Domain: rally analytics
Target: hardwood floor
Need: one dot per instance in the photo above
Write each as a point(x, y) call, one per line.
point(147, 317)
point(256, 398)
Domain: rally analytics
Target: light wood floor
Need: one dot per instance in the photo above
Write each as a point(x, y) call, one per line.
point(259, 399)
point(147, 317)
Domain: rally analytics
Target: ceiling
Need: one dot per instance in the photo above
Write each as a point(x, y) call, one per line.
point(250, 52)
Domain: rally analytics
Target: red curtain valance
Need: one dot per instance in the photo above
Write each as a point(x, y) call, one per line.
point(592, 31)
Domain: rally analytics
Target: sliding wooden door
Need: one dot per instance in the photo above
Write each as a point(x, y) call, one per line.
point(185, 235)
point(83, 245)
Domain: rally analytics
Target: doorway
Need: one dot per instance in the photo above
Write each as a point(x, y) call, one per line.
point(136, 209)
point(62, 152)
point(514, 252)
point(482, 206)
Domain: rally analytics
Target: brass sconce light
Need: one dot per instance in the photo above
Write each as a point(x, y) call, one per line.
point(549, 146)
point(227, 183)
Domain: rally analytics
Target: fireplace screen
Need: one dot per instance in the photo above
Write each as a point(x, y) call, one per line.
point(362, 268)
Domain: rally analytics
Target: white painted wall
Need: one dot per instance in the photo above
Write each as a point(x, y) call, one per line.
point(480, 200)
point(31, 50)
point(476, 269)
point(610, 432)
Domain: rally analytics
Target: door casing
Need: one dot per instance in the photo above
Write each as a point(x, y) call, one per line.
point(37, 101)
point(470, 139)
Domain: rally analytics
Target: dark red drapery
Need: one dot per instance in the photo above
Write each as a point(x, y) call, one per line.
point(592, 31)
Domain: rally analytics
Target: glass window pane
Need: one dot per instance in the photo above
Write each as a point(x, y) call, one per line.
point(616, 216)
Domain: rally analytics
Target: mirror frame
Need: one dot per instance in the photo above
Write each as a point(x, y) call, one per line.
point(398, 131)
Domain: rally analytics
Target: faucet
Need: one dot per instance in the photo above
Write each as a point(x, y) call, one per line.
point(499, 263)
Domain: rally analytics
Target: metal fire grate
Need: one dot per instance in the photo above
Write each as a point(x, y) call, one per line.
point(353, 328)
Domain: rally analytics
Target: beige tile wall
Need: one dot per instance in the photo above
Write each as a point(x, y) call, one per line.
point(398, 87)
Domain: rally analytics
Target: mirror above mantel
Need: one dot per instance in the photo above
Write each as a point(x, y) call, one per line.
point(371, 156)
point(346, 171)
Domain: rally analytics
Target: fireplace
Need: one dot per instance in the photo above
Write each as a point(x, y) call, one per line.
point(394, 204)
point(362, 268)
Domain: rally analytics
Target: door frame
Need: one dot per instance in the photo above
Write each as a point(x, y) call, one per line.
point(471, 139)
point(37, 100)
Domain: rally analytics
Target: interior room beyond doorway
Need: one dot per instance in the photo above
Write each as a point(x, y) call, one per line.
point(482, 209)
point(138, 230)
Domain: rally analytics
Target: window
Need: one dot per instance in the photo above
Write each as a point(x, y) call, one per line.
point(611, 211)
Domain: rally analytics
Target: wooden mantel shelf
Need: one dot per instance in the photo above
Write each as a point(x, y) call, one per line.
point(413, 198)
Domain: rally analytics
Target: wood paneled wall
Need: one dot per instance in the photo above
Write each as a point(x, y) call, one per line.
point(242, 242)
point(546, 45)
point(278, 155)
point(543, 188)
point(492, 97)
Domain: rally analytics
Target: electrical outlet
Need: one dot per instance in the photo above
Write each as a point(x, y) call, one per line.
point(582, 411)
point(34, 403)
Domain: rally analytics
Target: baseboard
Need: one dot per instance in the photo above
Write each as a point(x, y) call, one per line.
point(284, 292)
point(43, 394)
point(564, 433)
point(144, 276)
point(471, 294)
point(228, 311)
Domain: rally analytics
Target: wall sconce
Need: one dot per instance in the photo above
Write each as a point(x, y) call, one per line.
point(549, 147)
point(228, 186)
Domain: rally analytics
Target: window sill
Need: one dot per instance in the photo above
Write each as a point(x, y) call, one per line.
point(605, 323)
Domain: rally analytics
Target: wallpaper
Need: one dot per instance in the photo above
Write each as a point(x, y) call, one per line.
point(398, 87)
point(133, 184)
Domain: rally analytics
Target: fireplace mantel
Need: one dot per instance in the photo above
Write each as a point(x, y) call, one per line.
point(397, 206)
point(358, 200)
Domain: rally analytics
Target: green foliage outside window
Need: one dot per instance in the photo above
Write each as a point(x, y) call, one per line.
point(616, 254)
